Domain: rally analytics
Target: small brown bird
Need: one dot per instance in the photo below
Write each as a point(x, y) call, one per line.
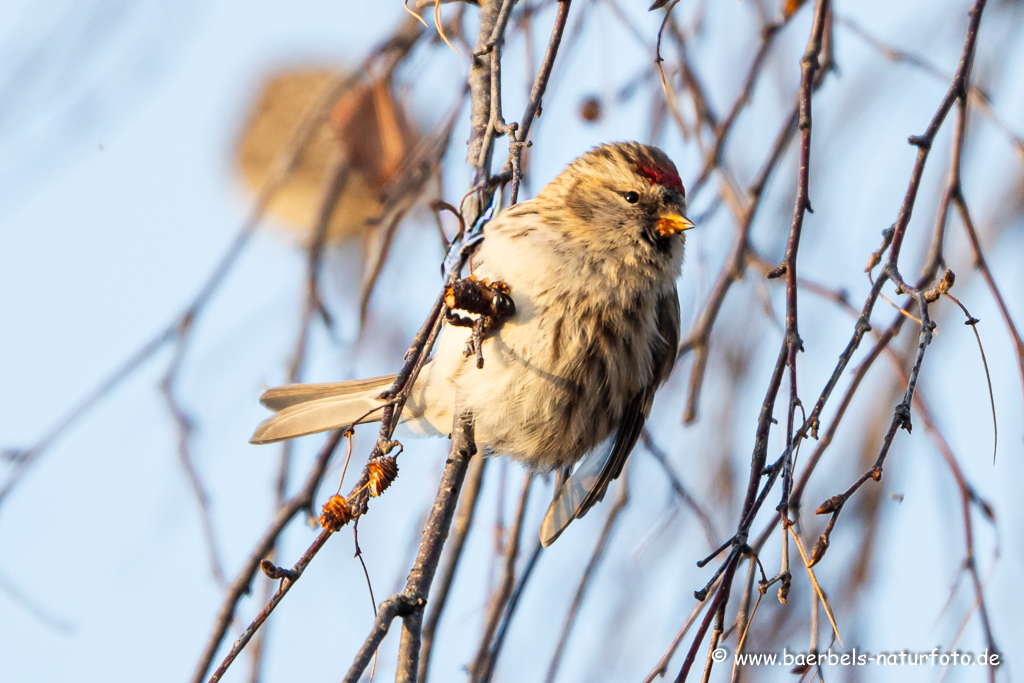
point(591, 264)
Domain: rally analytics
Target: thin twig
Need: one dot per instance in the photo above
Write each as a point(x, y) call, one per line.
point(588, 574)
point(677, 486)
point(184, 428)
point(982, 265)
point(975, 95)
point(901, 417)
point(434, 535)
point(787, 354)
point(513, 604)
point(482, 666)
point(303, 500)
point(286, 583)
point(333, 187)
point(972, 322)
point(39, 611)
point(661, 668)
point(385, 57)
point(463, 523)
point(481, 144)
point(410, 602)
point(513, 167)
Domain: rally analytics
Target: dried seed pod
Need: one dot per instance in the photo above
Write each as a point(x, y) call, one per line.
point(370, 124)
point(490, 299)
point(468, 295)
point(382, 472)
point(335, 514)
point(503, 305)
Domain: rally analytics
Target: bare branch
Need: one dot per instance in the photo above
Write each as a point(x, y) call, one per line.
point(410, 602)
point(386, 56)
point(303, 500)
point(588, 574)
point(513, 167)
point(463, 523)
point(483, 664)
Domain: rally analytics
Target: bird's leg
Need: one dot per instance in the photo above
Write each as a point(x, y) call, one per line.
point(490, 301)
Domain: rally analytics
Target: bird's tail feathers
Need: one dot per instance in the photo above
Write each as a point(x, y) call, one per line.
point(302, 409)
point(279, 398)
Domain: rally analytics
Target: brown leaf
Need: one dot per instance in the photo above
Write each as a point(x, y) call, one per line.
point(373, 131)
point(366, 126)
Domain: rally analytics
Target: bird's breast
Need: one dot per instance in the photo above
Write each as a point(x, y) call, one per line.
point(559, 374)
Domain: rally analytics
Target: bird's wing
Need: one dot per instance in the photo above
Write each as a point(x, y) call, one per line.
point(601, 466)
point(571, 497)
point(280, 398)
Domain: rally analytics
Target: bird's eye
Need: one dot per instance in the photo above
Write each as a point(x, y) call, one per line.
point(631, 197)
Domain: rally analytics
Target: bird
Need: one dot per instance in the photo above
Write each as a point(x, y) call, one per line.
point(591, 265)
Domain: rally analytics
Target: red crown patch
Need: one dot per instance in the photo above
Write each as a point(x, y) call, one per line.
point(665, 177)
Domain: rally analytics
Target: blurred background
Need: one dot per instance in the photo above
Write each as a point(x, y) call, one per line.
point(155, 247)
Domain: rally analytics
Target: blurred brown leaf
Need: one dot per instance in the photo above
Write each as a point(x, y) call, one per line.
point(373, 131)
point(366, 126)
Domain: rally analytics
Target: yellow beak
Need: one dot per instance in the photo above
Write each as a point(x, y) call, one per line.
point(671, 223)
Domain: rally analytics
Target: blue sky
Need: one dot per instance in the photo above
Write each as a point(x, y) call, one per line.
point(118, 196)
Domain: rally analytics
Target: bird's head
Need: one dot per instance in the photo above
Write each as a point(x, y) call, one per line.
point(624, 191)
